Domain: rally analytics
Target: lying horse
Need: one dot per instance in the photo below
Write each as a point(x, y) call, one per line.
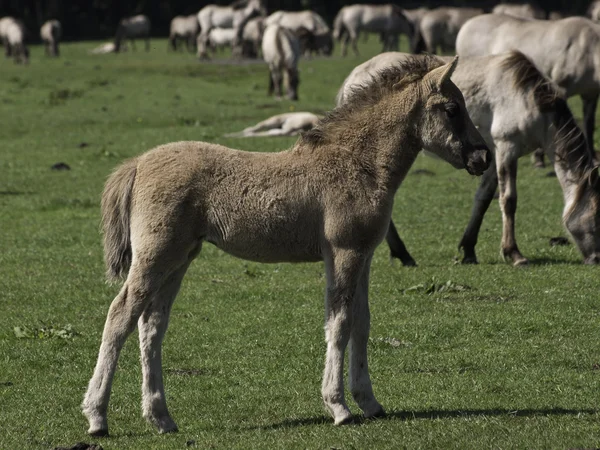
point(564, 50)
point(131, 28)
point(386, 20)
point(281, 51)
point(439, 28)
point(286, 124)
point(51, 33)
point(184, 28)
point(517, 110)
point(328, 198)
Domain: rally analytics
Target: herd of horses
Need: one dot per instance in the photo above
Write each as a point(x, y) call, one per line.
point(330, 196)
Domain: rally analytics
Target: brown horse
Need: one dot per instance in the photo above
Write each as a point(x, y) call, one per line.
point(328, 198)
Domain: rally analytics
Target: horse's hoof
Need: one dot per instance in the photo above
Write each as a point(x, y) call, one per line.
point(380, 413)
point(470, 260)
point(409, 263)
point(345, 420)
point(521, 262)
point(98, 433)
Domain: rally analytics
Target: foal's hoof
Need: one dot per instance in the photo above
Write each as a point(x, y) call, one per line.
point(380, 413)
point(345, 420)
point(165, 425)
point(521, 262)
point(98, 433)
point(470, 260)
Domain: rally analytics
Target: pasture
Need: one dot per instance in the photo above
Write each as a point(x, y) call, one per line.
point(485, 356)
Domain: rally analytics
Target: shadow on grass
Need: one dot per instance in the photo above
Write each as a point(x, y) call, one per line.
point(432, 414)
point(9, 192)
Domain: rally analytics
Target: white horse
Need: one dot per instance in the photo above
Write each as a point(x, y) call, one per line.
point(516, 109)
point(286, 124)
point(564, 50)
point(51, 33)
point(252, 35)
point(386, 20)
point(314, 33)
point(281, 51)
point(108, 47)
point(439, 28)
point(131, 28)
point(4, 25)
point(593, 11)
point(184, 28)
point(15, 37)
point(525, 10)
point(218, 39)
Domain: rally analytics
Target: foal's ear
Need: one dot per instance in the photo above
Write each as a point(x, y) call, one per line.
point(440, 74)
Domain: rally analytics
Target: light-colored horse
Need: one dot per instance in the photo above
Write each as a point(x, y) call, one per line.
point(131, 28)
point(564, 50)
point(184, 28)
point(314, 33)
point(218, 39)
point(525, 10)
point(286, 124)
point(328, 198)
point(51, 32)
point(4, 25)
point(516, 110)
point(386, 20)
point(439, 28)
point(108, 47)
point(593, 11)
point(252, 35)
point(15, 37)
point(281, 51)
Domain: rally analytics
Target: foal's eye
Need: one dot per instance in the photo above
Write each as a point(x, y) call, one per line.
point(452, 109)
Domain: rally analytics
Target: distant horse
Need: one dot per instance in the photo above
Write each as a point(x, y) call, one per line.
point(184, 28)
point(108, 47)
point(386, 20)
point(51, 33)
point(517, 110)
point(318, 38)
point(525, 10)
point(328, 198)
point(4, 23)
point(564, 50)
point(252, 35)
point(218, 39)
point(281, 51)
point(286, 124)
point(15, 37)
point(131, 28)
point(439, 28)
point(593, 11)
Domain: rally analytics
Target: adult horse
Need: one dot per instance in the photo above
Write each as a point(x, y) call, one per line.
point(593, 11)
point(4, 25)
point(386, 20)
point(184, 28)
point(131, 28)
point(564, 50)
point(281, 51)
point(51, 33)
point(525, 10)
point(15, 39)
point(439, 28)
point(308, 24)
point(328, 198)
point(517, 110)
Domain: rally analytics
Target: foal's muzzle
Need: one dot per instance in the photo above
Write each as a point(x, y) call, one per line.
point(478, 160)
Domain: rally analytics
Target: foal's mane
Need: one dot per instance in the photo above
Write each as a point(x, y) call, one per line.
point(571, 146)
point(364, 95)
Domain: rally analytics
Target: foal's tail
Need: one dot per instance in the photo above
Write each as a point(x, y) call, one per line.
point(116, 209)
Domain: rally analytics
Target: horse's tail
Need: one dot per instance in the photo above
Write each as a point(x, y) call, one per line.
point(116, 211)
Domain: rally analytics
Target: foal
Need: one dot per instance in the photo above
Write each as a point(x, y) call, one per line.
point(328, 198)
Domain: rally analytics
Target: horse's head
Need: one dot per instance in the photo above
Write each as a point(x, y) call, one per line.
point(446, 128)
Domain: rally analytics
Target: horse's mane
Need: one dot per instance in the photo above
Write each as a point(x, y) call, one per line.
point(364, 95)
point(571, 146)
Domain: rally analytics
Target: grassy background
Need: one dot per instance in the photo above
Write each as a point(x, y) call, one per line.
point(503, 358)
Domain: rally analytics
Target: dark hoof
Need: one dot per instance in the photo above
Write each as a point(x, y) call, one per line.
point(470, 260)
point(346, 421)
point(99, 433)
point(409, 263)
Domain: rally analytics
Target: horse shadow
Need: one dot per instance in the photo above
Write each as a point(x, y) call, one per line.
point(429, 414)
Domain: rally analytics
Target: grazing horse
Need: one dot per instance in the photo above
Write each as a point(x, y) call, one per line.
point(564, 50)
point(387, 20)
point(439, 28)
point(184, 28)
point(15, 37)
point(517, 110)
point(525, 10)
point(281, 51)
point(218, 39)
point(131, 28)
point(314, 33)
point(51, 33)
point(252, 35)
point(328, 198)
point(286, 124)
point(4, 25)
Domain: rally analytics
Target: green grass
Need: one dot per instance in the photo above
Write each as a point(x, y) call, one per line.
point(511, 362)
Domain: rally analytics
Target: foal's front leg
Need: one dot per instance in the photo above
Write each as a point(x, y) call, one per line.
point(360, 381)
point(506, 161)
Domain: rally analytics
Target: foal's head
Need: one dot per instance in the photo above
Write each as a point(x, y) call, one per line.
point(445, 127)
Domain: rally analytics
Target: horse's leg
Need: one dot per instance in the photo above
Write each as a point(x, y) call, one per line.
point(397, 247)
point(152, 326)
point(589, 116)
point(277, 82)
point(359, 380)
point(343, 269)
point(506, 161)
point(345, 41)
point(354, 40)
point(483, 198)
point(537, 158)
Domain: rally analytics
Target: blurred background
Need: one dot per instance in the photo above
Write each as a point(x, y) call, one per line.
point(97, 19)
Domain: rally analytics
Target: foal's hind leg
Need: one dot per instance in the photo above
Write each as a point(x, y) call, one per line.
point(359, 380)
point(483, 198)
point(152, 326)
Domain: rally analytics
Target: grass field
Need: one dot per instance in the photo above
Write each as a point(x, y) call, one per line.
point(484, 356)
